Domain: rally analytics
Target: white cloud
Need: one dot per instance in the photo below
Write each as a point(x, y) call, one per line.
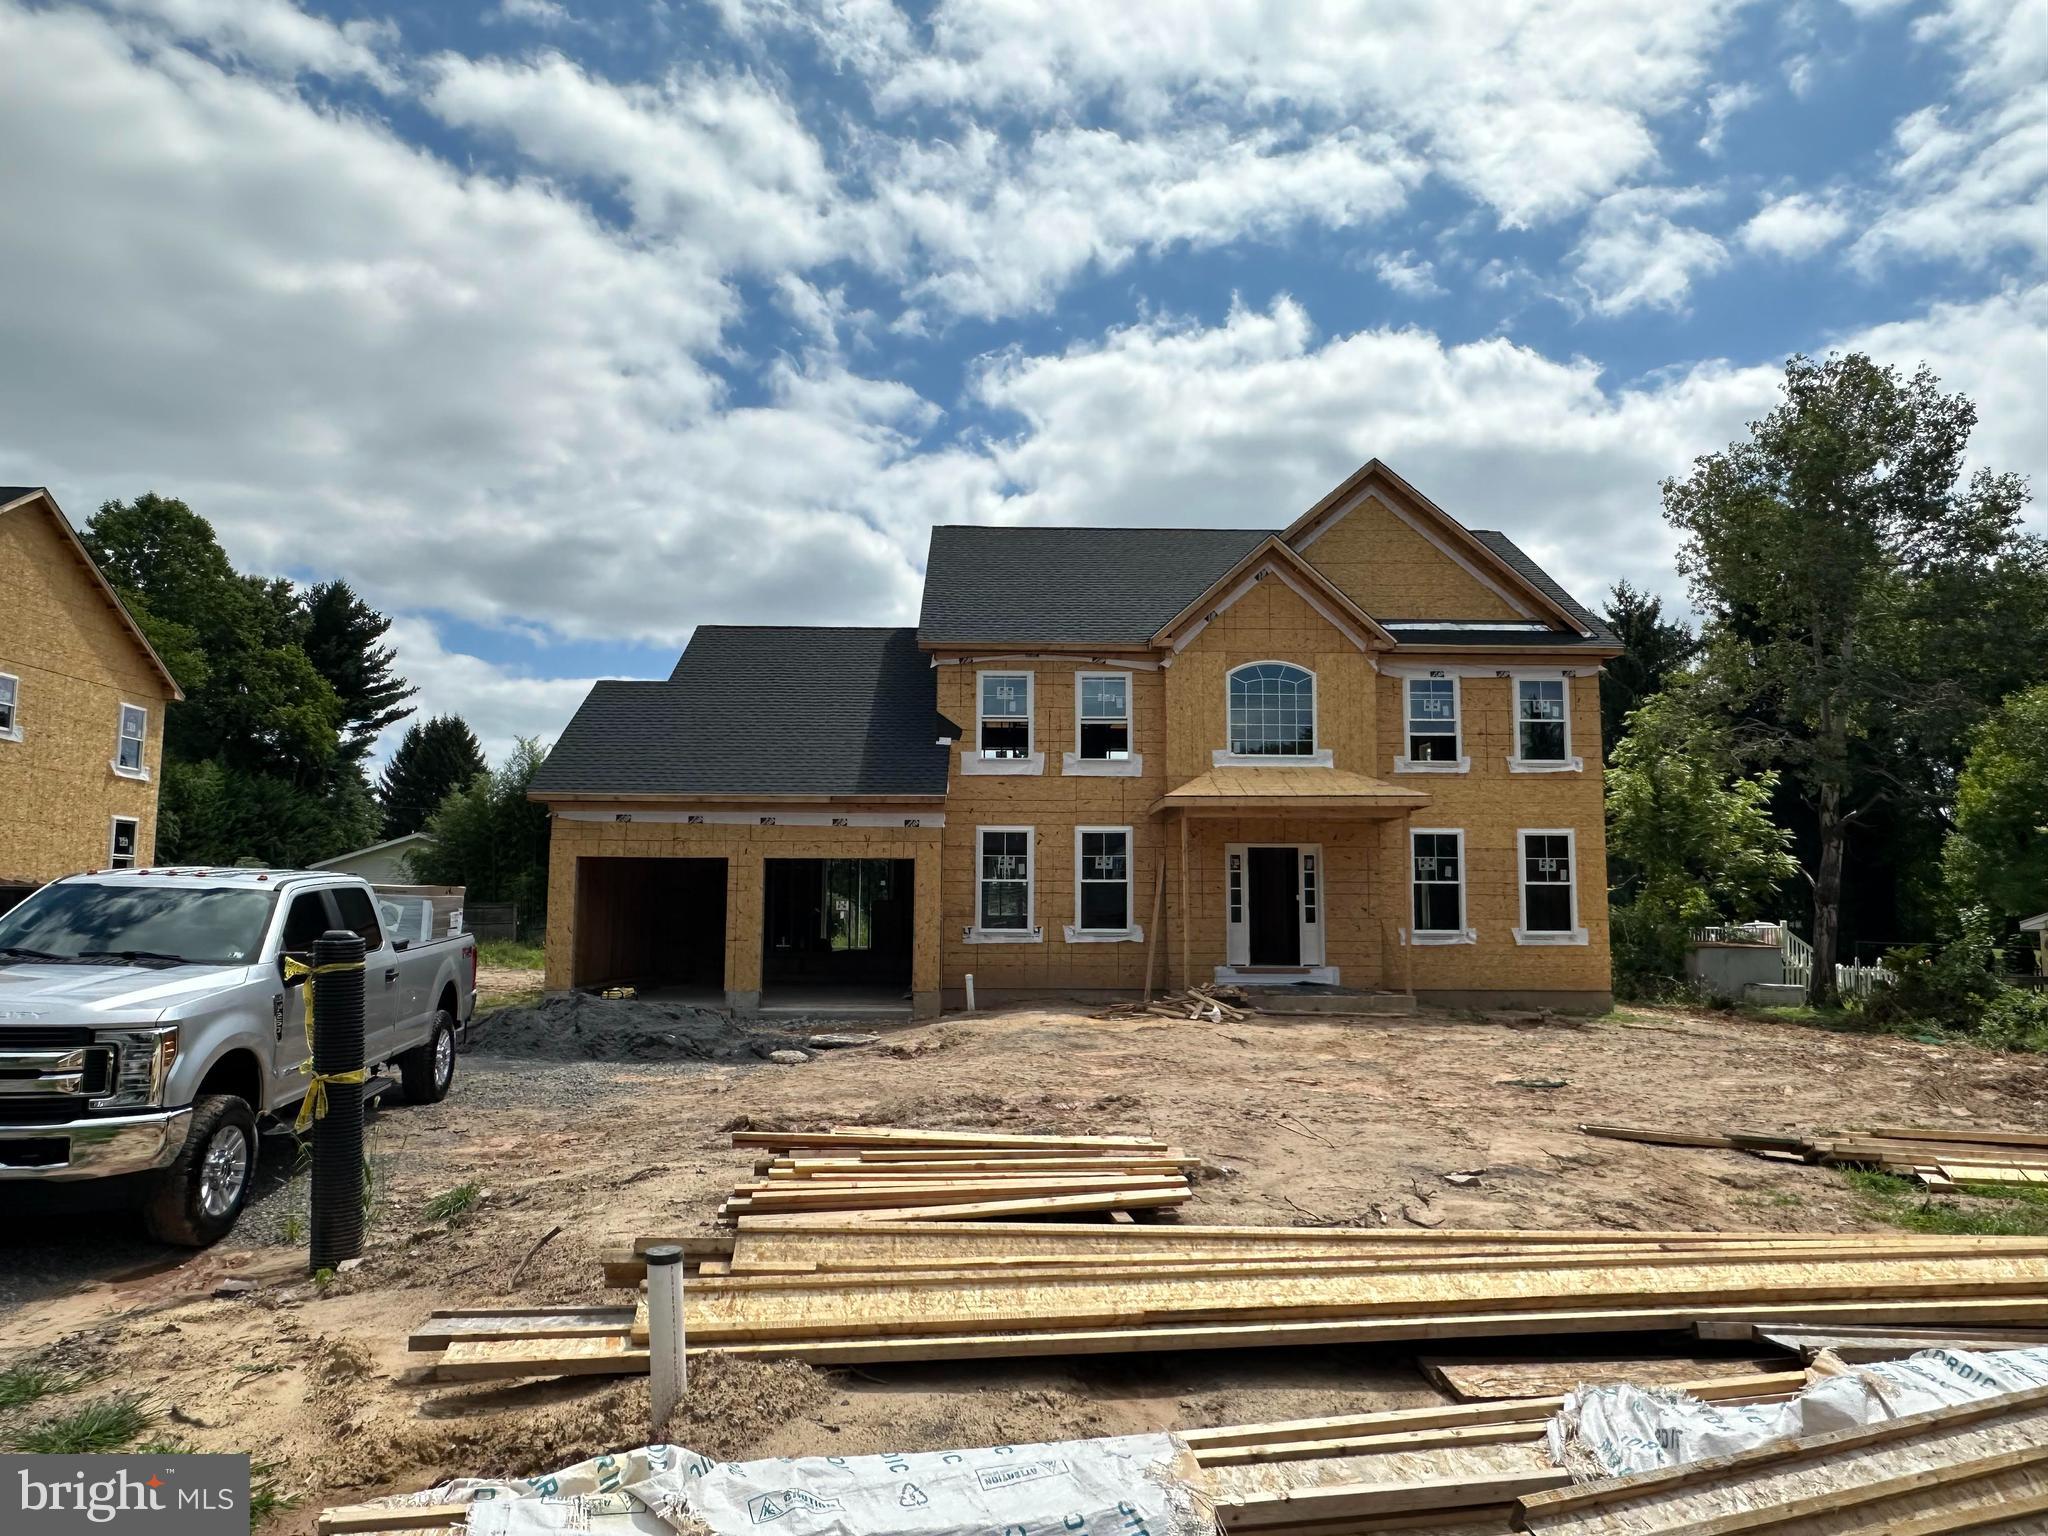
point(1002, 229)
point(1723, 103)
point(1408, 275)
point(718, 160)
point(1535, 106)
point(1794, 226)
point(273, 34)
point(499, 703)
point(542, 13)
point(1634, 255)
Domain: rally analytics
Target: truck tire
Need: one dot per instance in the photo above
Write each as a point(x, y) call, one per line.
point(195, 1199)
point(427, 1072)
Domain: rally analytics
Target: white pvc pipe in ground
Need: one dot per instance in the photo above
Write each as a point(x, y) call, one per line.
point(667, 1372)
point(970, 991)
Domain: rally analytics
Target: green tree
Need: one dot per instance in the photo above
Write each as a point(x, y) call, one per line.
point(490, 838)
point(345, 642)
point(1828, 552)
point(432, 761)
point(1998, 854)
point(1655, 649)
point(1690, 840)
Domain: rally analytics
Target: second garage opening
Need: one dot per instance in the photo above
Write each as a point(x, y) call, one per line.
point(838, 933)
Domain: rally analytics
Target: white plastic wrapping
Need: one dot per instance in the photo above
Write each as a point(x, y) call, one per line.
point(1607, 1431)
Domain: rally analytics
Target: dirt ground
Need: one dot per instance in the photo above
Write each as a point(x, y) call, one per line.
point(1348, 1122)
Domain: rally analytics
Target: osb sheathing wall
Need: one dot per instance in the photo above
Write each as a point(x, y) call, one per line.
point(1391, 571)
point(743, 848)
point(1491, 805)
point(77, 663)
point(1054, 803)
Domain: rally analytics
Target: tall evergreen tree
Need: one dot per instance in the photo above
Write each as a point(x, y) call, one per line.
point(345, 642)
point(433, 761)
point(490, 838)
point(1657, 648)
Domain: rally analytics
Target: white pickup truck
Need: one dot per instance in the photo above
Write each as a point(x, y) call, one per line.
point(146, 1023)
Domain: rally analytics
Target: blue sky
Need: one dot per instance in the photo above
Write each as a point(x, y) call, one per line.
point(560, 326)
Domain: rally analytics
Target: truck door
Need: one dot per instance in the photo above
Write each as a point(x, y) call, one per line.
point(389, 1002)
point(308, 916)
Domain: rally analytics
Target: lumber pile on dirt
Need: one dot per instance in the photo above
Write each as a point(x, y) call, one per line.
point(833, 1291)
point(1206, 1005)
point(1940, 1158)
point(1981, 1467)
point(884, 1173)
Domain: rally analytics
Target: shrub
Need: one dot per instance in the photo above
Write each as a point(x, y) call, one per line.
point(2016, 1019)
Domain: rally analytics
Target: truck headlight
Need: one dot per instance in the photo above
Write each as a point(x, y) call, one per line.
point(142, 1064)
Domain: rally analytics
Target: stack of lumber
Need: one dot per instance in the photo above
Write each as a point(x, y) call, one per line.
point(1940, 1158)
point(1208, 1005)
point(880, 1173)
point(1981, 1467)
point(1865, 1345)
point(837, 1292)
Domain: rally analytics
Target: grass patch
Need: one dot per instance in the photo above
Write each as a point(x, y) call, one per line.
point(21, 1385)
point(2017, 1211)
point(106, 1425)
point(510, 953)
point(450, 1203)
point(266, 1500)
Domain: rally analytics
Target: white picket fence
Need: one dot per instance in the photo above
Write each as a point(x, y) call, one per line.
point(1850, 980)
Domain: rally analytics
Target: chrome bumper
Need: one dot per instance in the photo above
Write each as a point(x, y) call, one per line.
point(92, 1149)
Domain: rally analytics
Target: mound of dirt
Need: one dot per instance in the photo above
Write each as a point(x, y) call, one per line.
point(576, 1025)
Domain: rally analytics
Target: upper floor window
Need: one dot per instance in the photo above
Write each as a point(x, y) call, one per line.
point(1004, 729)
point(1432, 720)
point(1272, 710)
point(128, 749)
point(10, 716)
point(1105, 711)
point(1542, 731)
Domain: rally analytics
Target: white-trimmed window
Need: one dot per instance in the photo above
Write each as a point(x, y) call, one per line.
point(1103, 702)
point(10, 707)
point(1548, 875)
point(1271, 708)
point(1543, 725)
point(128, 746)
point(1432, 727)
point(121, 842)
point(1437, 886)
point(1003, 723)
point(1003, 885)
point(1102, 885)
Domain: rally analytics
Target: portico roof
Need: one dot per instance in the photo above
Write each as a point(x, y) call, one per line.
point(1320, 792)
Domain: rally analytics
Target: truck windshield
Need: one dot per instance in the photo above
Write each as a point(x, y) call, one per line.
point(142, 924)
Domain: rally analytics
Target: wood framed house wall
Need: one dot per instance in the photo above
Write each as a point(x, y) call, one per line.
point(1361, 750)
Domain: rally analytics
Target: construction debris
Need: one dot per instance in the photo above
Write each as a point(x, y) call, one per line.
point(1208, 1005)
point(913, 1175)
point(1942, 1159)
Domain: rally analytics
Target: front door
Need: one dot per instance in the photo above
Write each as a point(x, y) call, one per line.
point(1273, 905)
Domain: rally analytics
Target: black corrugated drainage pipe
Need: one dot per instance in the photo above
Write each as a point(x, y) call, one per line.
point(337, 1192)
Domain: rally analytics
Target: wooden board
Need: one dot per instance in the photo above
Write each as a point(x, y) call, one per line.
point(1659, 1138)
point(495, 1361)
point(855, 1136)
point(1472, 1379)
point(359, 1519)
point(444, 1328)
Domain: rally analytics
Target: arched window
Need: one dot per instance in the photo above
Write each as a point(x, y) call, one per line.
point(1272, 710)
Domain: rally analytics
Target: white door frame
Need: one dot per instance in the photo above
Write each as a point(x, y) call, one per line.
point(1312, 899)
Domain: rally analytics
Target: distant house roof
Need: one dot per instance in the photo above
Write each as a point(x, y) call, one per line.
point(409, 840)
point(1069, 586)
point(762, 711)
point(13, 497)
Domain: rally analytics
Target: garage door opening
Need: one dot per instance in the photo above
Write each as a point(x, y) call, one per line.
point(652, 924)
point(838, 935)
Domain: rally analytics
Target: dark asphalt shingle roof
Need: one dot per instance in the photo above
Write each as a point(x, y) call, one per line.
point(15, 492)
point(1069, 586)
point(1539, 578)
point(762, 711)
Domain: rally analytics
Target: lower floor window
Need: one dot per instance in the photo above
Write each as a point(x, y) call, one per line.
point(1439, 860)
point(1004, 900)
point(1547, 900)
point(1103, 902)
point(121, 845)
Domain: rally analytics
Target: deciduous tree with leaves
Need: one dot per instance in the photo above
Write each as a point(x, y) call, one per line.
point(1851, 577)
point(1997, 857)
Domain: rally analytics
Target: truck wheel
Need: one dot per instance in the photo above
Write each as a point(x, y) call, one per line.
point(427, 1072)
point(196, 1199)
